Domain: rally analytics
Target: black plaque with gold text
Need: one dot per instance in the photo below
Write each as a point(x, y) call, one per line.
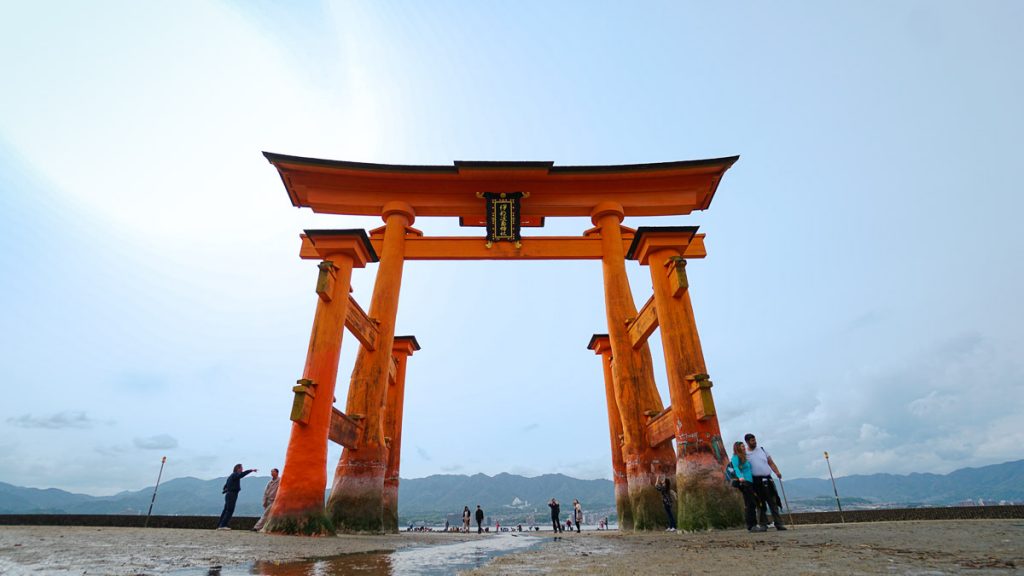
point(503, 223)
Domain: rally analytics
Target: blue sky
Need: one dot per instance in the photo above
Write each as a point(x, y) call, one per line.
point(861, 293)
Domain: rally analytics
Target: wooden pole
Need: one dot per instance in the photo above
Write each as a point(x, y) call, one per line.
point(633, 378)
point(356, 503)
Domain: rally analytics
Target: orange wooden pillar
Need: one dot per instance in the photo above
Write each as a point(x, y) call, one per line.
point(705, 500)
point(633, 378)
point(403, 348)
point(356, 503)
point(299, 507)
point(601, 345)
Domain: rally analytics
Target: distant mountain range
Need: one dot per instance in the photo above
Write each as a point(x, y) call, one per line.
point(991, 484)
point(514, 497)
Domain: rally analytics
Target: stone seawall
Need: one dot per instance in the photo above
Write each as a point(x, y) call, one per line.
point(247, 522)
point(123, 521)
point(899, 514)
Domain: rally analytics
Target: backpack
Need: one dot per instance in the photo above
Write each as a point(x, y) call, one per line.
point(730, 475)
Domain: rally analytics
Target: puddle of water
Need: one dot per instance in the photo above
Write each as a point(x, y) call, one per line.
point(420, 561)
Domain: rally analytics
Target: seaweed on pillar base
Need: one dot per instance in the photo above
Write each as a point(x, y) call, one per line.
point(706, 500)
point(356, 504)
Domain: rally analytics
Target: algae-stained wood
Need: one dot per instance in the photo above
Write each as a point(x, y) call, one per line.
point(360, 325)
point(677, 281)
point(325, 281)
point(302, 404)
point(343, 430)
point(641, 327)
point(700, 392)
point(662, 428)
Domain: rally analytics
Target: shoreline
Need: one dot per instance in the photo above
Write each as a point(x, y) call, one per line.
point(969, 546)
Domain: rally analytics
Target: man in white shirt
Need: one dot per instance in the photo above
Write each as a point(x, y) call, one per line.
point(761, 468)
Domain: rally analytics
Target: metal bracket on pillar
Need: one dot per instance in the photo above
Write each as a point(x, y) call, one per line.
point(700, 392)
point(325, 281)
point(302, 405)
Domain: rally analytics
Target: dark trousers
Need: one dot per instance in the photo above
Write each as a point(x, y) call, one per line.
point(578, 522)
point(749, 503)
point(668, 512)
point(229, 509)
point(765, 490)
point(479, 527)
point(556, 524)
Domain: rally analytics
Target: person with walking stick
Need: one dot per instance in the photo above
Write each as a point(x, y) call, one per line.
point(761, 467)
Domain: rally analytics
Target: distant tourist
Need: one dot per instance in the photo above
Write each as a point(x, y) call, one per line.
point(269, 495)
point(231, 489)
point(445, 524)
point(668, 499)
point(577, 511)
point(479, 519)
point(745, 484)
point(761, 467)
point(465, 518)
point(556, 511)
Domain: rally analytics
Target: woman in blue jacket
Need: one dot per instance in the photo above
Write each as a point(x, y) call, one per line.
point(745, 484)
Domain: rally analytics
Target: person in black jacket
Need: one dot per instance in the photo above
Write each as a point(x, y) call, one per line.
point(231, 489)
point(479, 519)
point(556, 509)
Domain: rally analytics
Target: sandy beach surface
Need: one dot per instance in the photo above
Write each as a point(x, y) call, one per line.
point(917, 548)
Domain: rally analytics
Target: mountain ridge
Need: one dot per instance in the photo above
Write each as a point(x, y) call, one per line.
point(513, 495)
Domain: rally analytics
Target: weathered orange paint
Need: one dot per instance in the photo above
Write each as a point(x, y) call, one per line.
point(365, 487)
point(701, 454)
point(356, 501)
point(659, 189)
point(472, 248)
point(404, 347)
point(602, 346)
point(299, 503)
point(633, 378)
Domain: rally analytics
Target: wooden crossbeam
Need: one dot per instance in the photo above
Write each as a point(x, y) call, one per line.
point(344, 430)
point(641, 327)
point(360, 325)
point(661, 428)
point(474, 248)
point(393, 370)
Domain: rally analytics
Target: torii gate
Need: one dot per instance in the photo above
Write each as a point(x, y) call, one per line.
point(503, 196)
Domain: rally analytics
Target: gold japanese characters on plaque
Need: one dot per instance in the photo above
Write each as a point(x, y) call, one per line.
point(503, 218)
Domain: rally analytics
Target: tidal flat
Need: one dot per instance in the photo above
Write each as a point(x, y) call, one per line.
point(915, 547)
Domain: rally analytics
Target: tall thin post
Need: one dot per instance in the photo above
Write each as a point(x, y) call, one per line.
point(158, 476)
point(834, 490)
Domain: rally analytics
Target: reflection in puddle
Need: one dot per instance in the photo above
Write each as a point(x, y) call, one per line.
point(420, 561)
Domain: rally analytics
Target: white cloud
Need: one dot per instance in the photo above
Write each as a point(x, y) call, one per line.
point(158, 442)
point(58, 421)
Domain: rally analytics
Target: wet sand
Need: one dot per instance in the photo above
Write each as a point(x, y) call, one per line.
point(921, 547)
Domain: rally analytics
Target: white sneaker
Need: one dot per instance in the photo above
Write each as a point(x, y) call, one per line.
point(223, 528)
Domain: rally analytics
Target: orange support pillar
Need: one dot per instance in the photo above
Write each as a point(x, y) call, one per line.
point(633, 378)
point(299, 507)
point(601, 345)
point(403, 348)
point(356, 503)
point(705, 500)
